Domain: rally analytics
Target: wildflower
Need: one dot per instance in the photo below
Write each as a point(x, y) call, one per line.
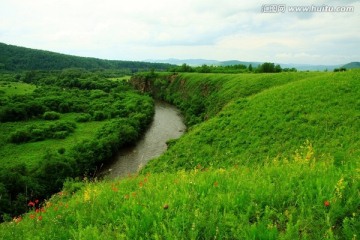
point(166, 206)
point(31, 204)
point(326, 203)
point(115, 189)
point(32, 216)
point(87, 196)
point(36, 201)
point(17, 219)
point(216, 184)
point(40, 218)
point(141, 184)
point(126, 196)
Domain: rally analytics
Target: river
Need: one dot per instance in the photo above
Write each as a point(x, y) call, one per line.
point(167, 124)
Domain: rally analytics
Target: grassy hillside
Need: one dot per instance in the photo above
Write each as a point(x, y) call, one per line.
point(275, 158)
point(14, 58)
point(322, 108)
point(297, 199)
point(201, 96)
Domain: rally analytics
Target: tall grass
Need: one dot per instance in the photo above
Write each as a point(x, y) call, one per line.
point(300, 198)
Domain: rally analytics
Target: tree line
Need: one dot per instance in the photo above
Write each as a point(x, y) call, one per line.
point(266, 67)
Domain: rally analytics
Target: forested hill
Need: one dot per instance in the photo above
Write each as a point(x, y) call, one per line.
point(14, 58)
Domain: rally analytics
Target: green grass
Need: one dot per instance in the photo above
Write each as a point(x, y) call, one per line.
point(277, 158)
point(31, 153)
point(298, 199)
point(15, 88)
point(323, 109)
point(201, 96)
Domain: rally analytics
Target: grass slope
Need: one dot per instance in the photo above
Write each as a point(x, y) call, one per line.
point(201, 96)
point(297, 199)
point(324, 110)
point(278, 162)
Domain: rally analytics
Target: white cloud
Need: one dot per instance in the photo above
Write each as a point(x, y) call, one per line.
point(140, 29)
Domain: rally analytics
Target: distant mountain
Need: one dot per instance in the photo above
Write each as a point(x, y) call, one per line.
point(308, 67)
point(190, 62)
point(199, 62)
point(13, 58)
point(352, 65)
point(236, 62)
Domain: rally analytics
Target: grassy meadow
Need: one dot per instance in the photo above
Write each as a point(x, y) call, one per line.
point(15, 88)
point(267, 156)
point(32, 153)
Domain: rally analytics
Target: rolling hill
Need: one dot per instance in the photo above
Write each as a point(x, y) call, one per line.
point(352, 65)
point(14, 58)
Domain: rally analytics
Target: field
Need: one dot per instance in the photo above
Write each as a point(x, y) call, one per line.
point(32, 153)
point(267, 156)
point(13, 88)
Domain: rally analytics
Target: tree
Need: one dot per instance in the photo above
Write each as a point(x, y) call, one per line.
point(278, 68)
point(250, 68)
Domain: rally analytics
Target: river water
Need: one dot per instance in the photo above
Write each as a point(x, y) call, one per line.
point(167, 124)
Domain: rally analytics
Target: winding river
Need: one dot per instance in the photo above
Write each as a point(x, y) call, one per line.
point(167, 124)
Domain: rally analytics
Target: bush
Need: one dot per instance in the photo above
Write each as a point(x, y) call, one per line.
point(99, 116)
point(20, 136)
point(61, 150)
point(85, 117)
point(59, 130)
point(60, 134)
point(51, 115)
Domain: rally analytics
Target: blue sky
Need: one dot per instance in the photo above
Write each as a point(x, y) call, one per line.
point(208, 29)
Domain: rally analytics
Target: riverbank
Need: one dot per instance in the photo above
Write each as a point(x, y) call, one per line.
point(167, 124)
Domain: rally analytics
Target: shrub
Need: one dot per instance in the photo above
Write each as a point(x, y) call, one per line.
point(99, 116)
point(61, 150)
point(51, 115)
point(20, 136)
point(85, 117)
point(59, 130)
point(60, 134)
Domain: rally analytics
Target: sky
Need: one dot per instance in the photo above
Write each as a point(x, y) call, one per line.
point(183, 29)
